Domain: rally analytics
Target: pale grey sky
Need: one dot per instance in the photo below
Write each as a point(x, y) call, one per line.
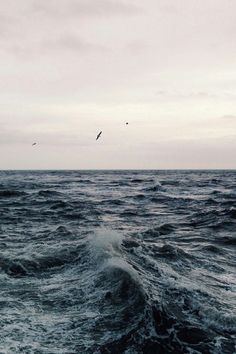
point(70, 68)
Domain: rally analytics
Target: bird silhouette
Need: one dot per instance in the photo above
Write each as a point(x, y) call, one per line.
point(98, 136)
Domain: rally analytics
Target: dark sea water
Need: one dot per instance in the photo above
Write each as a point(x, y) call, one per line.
point(117, 262)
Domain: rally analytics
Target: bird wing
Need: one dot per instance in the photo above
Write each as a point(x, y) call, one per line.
point(98, 136)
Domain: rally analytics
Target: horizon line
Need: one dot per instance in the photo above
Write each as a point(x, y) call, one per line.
point(121, 169)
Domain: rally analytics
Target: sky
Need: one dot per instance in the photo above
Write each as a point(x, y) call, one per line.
point(71, 68)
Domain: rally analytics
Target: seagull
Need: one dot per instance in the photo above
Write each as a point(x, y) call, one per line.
point(98, 136)
point(34, 144)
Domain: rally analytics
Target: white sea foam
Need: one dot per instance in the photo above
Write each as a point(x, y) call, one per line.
point(105, 244)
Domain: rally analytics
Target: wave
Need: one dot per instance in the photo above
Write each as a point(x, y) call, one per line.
point(212, 218)
point(173, 252)
point(221, 194)
point(123, 283)
point(212, 249)
point(42, 260)
point(11, 193)
point(231, 212)
point(112, 202)
point(156, 188)
point(164, 229)
point(61, 204)
point(104, 243)
point(49, 193)
point(132, 263)
point(138, 180)
point(139, 196)
point(227, 240)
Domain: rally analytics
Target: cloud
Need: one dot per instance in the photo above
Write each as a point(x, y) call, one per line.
point(195, 95)
point(6, 26)
point(72, 67)
point(19, 137)
point(185, 95)
point(64, 43)
point(229, 117)
point(71, 42)
point(86, 8)
point(27, 29)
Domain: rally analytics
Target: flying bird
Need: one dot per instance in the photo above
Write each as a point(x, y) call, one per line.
point(34, 144)
point(98, 136)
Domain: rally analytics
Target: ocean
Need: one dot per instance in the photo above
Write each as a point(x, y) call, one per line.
point(133, 262)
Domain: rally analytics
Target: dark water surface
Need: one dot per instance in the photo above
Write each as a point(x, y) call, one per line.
point(117, 262)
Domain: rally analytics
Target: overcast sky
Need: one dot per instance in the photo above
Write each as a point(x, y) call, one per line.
point(70, 68)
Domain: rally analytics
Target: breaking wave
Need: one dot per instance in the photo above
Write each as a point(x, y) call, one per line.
point(119, 262)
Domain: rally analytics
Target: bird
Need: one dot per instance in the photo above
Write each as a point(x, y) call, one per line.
point(98, 136)
point(34, 144)
point(126, 123)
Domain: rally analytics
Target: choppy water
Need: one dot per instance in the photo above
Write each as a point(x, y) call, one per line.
point(117, 262)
